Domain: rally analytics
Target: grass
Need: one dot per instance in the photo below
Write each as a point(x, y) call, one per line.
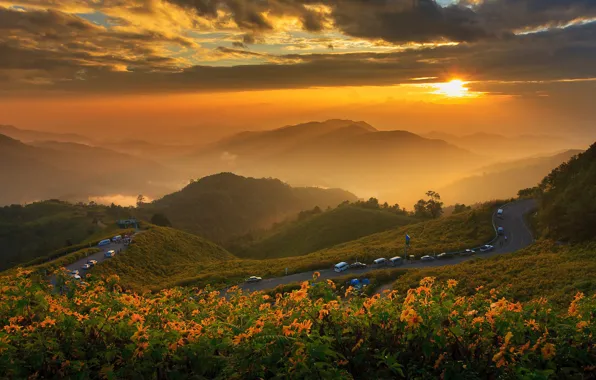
point(546, 269)
point(161, 254)
point(342, 224)
point(445, 234)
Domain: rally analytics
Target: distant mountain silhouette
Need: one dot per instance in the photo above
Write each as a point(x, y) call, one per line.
point(66, 170)
point(225, 205)
point(504, 147)
point(27, 135)
point(503, 180)
point(340, 153)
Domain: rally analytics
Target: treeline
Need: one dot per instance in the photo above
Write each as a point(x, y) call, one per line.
point(567, 199)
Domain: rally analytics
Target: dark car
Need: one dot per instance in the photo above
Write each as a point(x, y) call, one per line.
point(357, 265)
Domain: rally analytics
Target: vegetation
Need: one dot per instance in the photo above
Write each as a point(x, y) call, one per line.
point(568, 199)
point(47, 229)
point(161, 254)
point(431, 208)
point(96, 330)
point(317, 230)
point(459, 208)
point(225, 205)
point(452, 233)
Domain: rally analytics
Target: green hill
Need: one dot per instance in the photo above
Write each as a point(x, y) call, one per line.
point(160, 255)
point(451, 233)
point(568, 199)
point(35, 230)
point(322, 230)
point(225, 205)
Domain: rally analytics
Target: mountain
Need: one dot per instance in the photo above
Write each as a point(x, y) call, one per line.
point(221, 206)
point(503, 180)
point(319, 230)
point(342, 153)
point(66, 170)
point(502, 147)
point(28, 135)
point(568, 199)
point(163, 255)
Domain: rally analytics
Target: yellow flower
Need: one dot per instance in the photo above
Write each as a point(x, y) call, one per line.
point(357, 346)
point(451, 283)
point(548, 351)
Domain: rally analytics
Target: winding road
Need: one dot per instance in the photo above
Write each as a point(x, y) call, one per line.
point(518, 236)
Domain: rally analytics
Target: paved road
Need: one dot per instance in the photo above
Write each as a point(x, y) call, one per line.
point(99, 256)
point(517, 232)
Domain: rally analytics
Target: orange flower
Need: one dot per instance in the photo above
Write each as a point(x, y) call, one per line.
point(136, 318)
point(582, 325)
point(48, 322)
point(298, 295)
point(316, 275)
point(548, 351)
point(287, 330)
point(323, 313)
point(532, 324)
point(451, 283)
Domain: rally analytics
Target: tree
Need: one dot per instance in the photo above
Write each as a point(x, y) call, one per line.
point(420, 209)
point(459, 208)
point(160, 220)
point(434, 204)
point(140, 200)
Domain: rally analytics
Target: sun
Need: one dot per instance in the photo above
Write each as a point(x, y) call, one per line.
point(455, 88)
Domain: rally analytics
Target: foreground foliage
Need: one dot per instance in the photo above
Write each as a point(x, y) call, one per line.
point(96, 330)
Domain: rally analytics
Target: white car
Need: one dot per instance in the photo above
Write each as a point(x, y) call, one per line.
point(427, 258)
point(92, 262)
point(486, 248)
point(253, 279)
point(86, 266)
point(74, 272)
point(76, 276)
point(468, 252)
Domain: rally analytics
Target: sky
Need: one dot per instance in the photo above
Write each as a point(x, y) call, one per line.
point(196, 70)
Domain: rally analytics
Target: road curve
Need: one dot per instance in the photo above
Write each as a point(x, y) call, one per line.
point(518, 236)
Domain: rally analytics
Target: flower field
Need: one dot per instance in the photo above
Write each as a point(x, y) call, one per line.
point(319, 331)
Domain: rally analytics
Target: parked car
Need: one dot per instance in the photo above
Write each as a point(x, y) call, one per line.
point(104, 242)
point(92, 262)
point(380, 261)
point(427, 258)
point(110, 253)
point(357, 265)
point(340, 267)
point(468, 252)
point(395, 261)
point(86, 266)
point(74, 272)
point(500, 212)
point(445, 255)
point(76, 276)
point(486, 248)
point(500, 231)
point(253, 279)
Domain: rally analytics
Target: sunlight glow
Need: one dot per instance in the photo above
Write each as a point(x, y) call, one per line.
point(456, 88)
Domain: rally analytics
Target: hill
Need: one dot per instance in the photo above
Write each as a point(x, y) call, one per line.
point(72, 171)
point(225, 205)
point(505, 147)
point(161, 255)
point(392, 165)
point(503, 180)
point(28, 135)
point(568, 199)
point(321, 230)
point(35, 230)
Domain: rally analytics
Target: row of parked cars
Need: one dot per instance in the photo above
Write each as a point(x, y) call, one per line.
point(88, 265)
point(397, 260)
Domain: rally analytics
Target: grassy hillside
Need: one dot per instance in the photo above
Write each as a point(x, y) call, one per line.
point(445, 234)
point(221, 206)
point(160, 255)
point(323, 230)
point(545, 269)
point(32, 231)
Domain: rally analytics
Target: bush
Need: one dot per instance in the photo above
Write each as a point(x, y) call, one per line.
point(433, 332)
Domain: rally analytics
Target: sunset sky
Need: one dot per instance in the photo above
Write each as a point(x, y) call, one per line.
point(203, 68)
